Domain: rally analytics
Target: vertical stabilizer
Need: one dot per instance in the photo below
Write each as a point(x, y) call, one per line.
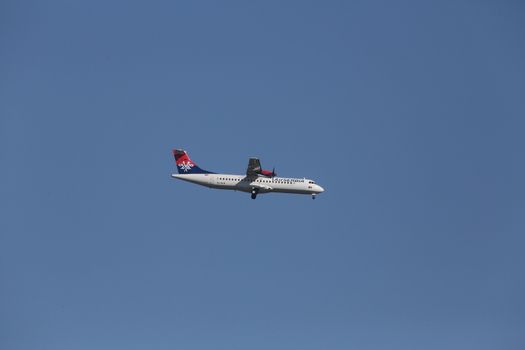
point(185, 165)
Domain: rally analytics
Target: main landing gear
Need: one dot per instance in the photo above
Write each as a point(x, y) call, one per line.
point(254, 192)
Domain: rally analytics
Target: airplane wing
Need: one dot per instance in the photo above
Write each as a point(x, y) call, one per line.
point(254, 167)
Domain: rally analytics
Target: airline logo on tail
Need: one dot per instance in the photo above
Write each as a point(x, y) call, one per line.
point(185, 164)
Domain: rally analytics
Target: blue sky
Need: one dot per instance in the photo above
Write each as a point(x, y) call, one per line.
point(409, 114)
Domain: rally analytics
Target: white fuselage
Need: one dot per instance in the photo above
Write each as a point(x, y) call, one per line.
point(249, 183)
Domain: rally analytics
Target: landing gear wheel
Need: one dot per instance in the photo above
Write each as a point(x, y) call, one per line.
point(313, 196)
point(254, 193)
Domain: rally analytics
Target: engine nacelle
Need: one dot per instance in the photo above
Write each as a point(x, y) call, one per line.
point(268, 173)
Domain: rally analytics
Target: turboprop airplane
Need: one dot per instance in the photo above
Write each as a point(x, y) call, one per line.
point(255, 181)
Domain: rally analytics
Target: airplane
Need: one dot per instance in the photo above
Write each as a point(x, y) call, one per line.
point(255, 181)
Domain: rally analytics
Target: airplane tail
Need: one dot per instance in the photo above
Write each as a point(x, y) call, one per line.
point(185, 164)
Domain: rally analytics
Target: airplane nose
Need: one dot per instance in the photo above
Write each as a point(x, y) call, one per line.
point(320, 189)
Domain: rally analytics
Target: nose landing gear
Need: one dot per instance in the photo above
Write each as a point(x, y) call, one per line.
point(313, 195)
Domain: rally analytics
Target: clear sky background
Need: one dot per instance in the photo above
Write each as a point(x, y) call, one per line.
point(410, 114)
